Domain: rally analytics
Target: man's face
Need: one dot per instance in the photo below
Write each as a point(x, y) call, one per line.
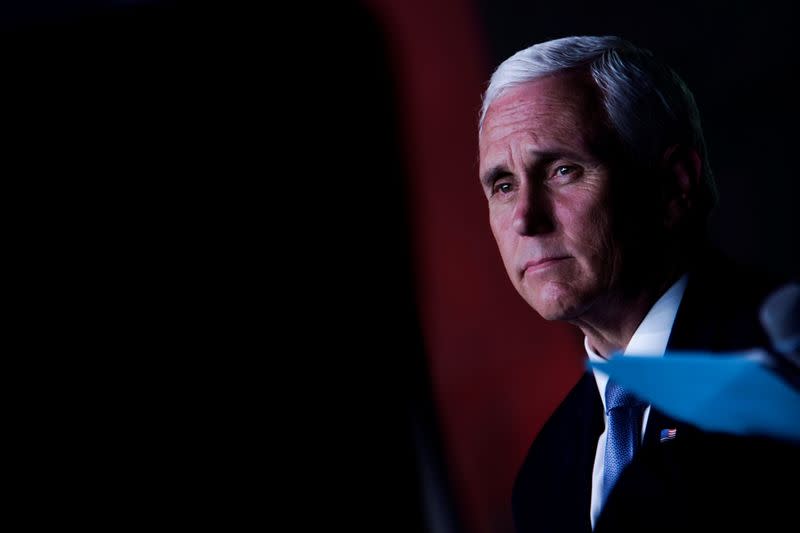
point(548, 181)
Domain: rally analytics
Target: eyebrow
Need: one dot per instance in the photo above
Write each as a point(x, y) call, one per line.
point(494, 174)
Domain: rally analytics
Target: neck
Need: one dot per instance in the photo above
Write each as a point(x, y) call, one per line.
point(611, 322)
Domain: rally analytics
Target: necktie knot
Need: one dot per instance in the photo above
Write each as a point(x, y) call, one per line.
point(617, 397)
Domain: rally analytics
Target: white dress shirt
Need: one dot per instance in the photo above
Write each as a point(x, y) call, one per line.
point(649, 339)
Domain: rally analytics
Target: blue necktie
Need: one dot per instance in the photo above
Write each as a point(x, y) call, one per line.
point(624, 412)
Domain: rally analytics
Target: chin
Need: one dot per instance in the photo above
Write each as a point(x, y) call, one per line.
point(551, 314)
point(556, 305)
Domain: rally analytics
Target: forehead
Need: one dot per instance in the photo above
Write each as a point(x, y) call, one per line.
point(559, 109)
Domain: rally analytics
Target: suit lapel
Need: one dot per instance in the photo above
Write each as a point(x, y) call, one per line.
point(709, 319)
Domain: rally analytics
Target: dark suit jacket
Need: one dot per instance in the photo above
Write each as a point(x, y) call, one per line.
point(699, 481)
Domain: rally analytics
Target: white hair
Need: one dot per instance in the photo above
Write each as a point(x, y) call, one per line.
point(647, 104)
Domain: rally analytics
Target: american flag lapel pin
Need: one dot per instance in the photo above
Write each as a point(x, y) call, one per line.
point(668, 434)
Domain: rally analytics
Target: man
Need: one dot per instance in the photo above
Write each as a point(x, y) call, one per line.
point(594, 166)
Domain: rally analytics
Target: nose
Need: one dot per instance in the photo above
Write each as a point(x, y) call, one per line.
point(532, 211)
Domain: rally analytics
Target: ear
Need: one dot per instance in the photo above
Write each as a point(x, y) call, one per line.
point(682, 169)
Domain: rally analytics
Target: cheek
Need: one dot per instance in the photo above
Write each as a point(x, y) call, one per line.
point(505, 239)
point(604, 246)
point(587, 231)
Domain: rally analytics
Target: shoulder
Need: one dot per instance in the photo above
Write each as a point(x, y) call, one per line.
point(720, 308)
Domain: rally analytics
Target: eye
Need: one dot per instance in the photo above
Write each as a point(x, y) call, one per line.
point(566, 173)
point(564, 170)
point(502, 187)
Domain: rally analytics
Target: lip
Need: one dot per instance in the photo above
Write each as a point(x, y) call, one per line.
point(541, 264)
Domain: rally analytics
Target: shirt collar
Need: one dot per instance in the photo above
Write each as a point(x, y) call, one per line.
point(652, 335)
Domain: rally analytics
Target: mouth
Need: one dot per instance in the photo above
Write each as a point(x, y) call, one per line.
point(538, 265)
